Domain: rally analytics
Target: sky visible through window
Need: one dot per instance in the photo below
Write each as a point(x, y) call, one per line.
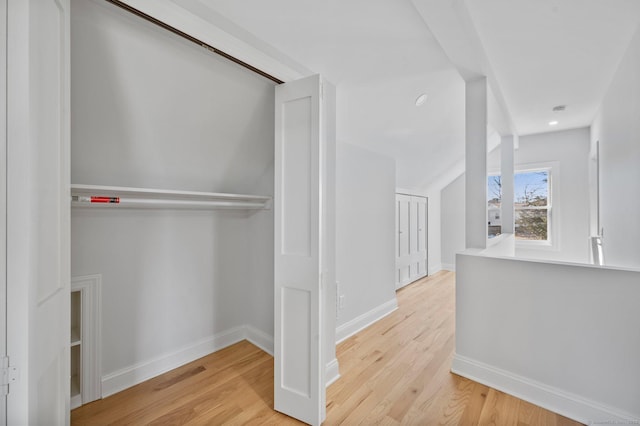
point(528, 184)
point(523, 183)
point(494, 190)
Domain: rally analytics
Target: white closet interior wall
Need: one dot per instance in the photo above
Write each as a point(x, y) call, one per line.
point(152, 110)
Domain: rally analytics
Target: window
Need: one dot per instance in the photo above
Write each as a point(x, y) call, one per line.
point(532, 205)
point(494, 206)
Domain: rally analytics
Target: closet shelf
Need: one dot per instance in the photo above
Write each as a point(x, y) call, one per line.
point(75, 336)
point(97, 196)
point(75, 385)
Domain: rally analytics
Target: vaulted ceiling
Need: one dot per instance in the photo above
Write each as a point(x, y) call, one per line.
point(547, 53)
point(383, 54)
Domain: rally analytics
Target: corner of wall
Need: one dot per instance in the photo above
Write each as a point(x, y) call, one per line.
point(259, 338)
point(449, 267)
point(363, 321)
point(434, 226)
point(125, 378)
point(332, 372)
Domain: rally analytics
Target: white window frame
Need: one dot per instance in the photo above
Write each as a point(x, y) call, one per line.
point(552, 242)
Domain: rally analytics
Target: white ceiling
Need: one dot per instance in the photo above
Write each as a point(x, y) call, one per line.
point(554, 52)
point(381, 55)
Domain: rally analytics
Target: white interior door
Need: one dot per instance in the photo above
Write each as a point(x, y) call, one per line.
point(403, 205)
point(411, 242)
point(299, 173)
point(38, 203)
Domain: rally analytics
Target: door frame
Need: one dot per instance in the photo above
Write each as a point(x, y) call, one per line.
point(3, 203)
point(411, 258)
point(41, 386)
point(18, 254)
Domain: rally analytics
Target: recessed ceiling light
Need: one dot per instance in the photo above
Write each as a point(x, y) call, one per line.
point(553, 123)
point(420, 100)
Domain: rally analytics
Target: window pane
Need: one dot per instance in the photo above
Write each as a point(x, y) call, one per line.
point(531, 188)
point(494, 201)
point(531, 224)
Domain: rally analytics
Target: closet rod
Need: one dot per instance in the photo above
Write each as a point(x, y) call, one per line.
point(193, 39)
point(155, 203)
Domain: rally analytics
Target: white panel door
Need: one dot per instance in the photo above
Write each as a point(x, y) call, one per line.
point(411, 242)
point(38, 203)
point(403, 207)
point(299, 173)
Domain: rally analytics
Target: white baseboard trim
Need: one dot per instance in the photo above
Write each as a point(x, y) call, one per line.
point(564, 403)
point(259, 338)
point(449, 267)
point(435, 269)
point(332, 372)
point(76, 401)
point(265, 342)
point(410, 281)
point(365, 320)
point(130, 376)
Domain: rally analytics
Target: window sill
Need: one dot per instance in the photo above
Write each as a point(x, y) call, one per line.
point(536, 245)
point(496, 240)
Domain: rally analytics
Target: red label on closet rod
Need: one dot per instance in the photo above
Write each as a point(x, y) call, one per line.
point(105, 199)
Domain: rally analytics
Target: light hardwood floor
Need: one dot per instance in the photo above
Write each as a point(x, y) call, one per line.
point(394, 372)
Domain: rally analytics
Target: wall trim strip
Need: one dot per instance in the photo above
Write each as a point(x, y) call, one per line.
point(548, 397)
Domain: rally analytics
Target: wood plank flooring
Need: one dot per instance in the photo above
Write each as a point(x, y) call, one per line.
point(394, 372)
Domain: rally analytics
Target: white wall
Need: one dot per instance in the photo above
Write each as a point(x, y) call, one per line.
point(329, 254)
point(563, 336)
point(453, 226)
point(570, 151)
point(618, 129)
point(434, 237)
point(365, 236)
point(152, 110)
point(259, 285)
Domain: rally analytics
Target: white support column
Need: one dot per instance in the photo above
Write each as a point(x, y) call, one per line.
point(476, 163)
point(506, 172)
